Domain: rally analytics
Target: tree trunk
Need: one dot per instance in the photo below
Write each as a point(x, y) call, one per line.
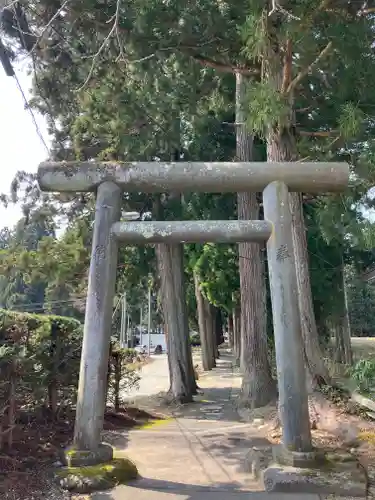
point(117, 381)
point(215, 337)
point(12, 401)
point(206, 358)
point(281, 147)
point(177, 254)
point(342, 325)
point(236, 315)
point(347, 330)
point(230, 331)
point(339, 355)
point(258, 387)
point(182, 380)
point(210, 333)
point(53, 371)
point(316, 368)
point(218, 327)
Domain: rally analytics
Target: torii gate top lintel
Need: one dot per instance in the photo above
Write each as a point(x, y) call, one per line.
point(154, 177)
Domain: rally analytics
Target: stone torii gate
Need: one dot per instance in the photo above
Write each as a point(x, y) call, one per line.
point(109, 180)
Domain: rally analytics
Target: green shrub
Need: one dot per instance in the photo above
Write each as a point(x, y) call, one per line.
point(363, 373)
point(195, 340)
point(121, 378)
point(42, 354)
point(40, 357)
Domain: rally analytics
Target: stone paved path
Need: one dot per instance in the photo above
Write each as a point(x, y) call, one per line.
point(199, 454)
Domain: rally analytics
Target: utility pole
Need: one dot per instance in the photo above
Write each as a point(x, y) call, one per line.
point(123, 321)
point(149, 320)
point(129, 335)
point(140, 325)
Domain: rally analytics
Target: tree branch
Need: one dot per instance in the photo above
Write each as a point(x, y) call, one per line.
point(45, 28)
point(223, 67)
point(364, 12)
point(309, 68)
point(287, 70)
point(114, 30)
point(319, 133)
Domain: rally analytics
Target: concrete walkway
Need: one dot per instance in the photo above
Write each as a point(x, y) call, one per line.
point(154, 378)
point(198, 454)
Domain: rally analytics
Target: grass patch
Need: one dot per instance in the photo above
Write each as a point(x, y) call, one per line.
point(154, 423)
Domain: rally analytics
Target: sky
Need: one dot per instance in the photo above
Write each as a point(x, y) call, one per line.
point(20, 146)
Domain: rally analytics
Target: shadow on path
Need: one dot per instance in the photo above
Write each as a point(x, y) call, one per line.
point(199, 453)
point(155, 489)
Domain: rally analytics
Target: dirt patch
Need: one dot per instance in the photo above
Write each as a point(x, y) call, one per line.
point(37, 439)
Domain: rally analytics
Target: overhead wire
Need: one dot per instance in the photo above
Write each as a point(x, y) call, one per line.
point(29, 109)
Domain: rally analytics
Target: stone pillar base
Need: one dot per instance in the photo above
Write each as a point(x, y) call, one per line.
point(283, 456)
point(319, 472)
point(72, 457)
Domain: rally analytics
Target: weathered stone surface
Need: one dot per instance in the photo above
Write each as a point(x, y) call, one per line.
point(214, 177)
point(76, 458)
point(292, 387)
point(92, 385)
point(257, 460)
point(283, 456)
point(340, 474)
point(218, 231)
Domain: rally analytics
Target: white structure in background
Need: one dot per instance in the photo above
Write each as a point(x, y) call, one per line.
point(155, 339)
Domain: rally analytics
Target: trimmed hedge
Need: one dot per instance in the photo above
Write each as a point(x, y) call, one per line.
point(195, 340)
point(39, 366)
point(43, 353)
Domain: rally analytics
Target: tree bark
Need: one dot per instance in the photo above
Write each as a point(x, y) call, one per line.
point(230, 331)
point(210, 333)
point(316, 369)
point(258, 387)
point(182, 380)
point(281, 147)
point(342, 325)
point(53, 372)
point(236, 315)
point(218, 327)
point(206, 358)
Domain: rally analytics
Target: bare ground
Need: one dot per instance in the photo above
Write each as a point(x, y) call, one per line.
point(37, 440)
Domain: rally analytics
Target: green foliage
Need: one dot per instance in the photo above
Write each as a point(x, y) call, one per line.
point(254, 35)
point(350, 121)
point(361, 305)
point(265, 107)
point(217, 266)
point(176, 63)
point(121, 377)
point(195, 340)
point(43, 352)
point(363, 373)
point(42, 355)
